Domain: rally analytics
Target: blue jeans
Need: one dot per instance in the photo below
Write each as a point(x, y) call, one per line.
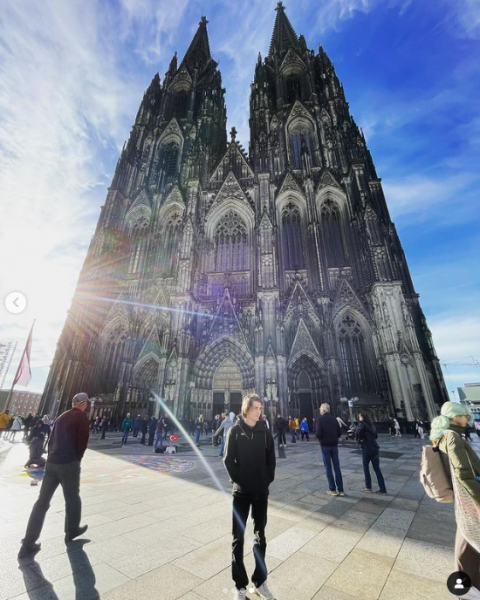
point(197, 435)
point(125, 437)
point(159, 440)
point(370, 454)
point(330, 455)
point(222, 446)
point(294, 436)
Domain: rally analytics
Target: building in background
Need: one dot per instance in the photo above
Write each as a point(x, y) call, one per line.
point(213, 273)
point(21, 403)
point(470, 394)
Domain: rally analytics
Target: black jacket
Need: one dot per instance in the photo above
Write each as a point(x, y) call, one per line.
point(250, 458)
point(328, 430)
point(366, 434)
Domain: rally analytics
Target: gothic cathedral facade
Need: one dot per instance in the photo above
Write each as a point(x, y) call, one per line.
point(213, 272)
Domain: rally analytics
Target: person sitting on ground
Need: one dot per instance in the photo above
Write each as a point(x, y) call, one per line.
point(36, 450)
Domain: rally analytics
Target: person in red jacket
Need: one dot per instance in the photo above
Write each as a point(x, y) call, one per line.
point(66, 447)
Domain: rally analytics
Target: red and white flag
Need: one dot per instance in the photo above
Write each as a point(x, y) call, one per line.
point(24, 371)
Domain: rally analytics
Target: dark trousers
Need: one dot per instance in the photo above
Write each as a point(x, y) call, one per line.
point(305, 433)
point(68, 476)
point(241, 509)
point(281, 437)
point(467, 559)
point(330, 457)
point(151, 435)
point(371, 455)
point(142, 441)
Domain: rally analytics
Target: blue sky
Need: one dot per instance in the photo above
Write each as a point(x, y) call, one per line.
point(73, 74)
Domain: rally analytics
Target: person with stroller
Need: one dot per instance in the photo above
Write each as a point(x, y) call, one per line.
point(366, 435)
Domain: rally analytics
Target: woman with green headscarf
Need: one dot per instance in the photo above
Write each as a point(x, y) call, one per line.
point(462, 464)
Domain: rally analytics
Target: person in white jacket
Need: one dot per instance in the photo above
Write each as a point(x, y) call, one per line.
point(16, 426)
point(225, 426)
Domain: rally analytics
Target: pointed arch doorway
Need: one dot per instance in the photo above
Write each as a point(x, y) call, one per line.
point(227, 388)
point(305, 379)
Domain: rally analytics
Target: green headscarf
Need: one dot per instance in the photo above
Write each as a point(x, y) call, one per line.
point(449, 411)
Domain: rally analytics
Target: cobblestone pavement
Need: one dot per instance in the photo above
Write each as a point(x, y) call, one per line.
point(159, 529)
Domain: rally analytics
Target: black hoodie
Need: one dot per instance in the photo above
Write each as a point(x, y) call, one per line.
point(250, 458)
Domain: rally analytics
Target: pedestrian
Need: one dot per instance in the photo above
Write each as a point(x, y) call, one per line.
point(223, 430)
point(281, 426)
point(396, 426)
point(391, 426)
point(96, 425)
point(103, 426)
point(191, 426)
point(35, 450)
point(126, 427)
point(137, 425)
point(27, 423)
point(250, 462)
point(366, 435)
point(297, 427)
point(144, 427)
point(420, 430)
point(328, 433)
point(265, 420)
point(462, 465)
point(304, 429)
point(46, 429)
point(65, 452)
point(4, 420)
point(292, 428)
point(159, 431)
point(476, 425)
point(8, 427)
point(198, 430)
point(152, 428)
point(16, 426)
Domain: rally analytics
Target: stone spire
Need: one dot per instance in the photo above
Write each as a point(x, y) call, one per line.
point(284, 36)
point(198, 53)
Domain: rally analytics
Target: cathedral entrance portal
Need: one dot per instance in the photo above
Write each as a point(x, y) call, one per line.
point(227, 388)
point(305, 398)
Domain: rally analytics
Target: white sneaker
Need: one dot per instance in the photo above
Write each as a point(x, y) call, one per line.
point(240, 594)
point(264, 592)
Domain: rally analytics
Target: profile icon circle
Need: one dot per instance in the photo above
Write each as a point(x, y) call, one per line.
point(459, 583)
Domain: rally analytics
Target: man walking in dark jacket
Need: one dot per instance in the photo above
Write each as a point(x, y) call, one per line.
point(66, 447)
point(328, 432)
point(250, 462)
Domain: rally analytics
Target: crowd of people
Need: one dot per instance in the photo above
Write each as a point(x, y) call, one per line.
point(246, 444)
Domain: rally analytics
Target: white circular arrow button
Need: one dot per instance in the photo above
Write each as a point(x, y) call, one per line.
point(15, 302)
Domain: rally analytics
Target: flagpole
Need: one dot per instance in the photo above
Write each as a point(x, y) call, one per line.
point(29, 339)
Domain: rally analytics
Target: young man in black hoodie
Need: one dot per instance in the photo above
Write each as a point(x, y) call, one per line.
point(250, 462)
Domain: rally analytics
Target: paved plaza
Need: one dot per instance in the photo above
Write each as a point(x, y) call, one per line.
point(159, 529)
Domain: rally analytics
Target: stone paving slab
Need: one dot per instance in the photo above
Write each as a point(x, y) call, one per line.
point(160, 529)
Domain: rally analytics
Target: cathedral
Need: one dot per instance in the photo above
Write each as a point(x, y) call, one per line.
point(214, 271)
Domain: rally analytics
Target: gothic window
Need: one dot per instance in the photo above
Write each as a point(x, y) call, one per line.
point(113, 356)
point(300, 141)
point(292, 247)
point(169, 161)
point(138, 247)
point(231, 244)
point(294, 89)
point(173, 231)
point(180, 105)
point(352, 355)
point(332, 234)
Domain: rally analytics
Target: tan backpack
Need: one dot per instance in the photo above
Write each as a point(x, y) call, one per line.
point(433, 477)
